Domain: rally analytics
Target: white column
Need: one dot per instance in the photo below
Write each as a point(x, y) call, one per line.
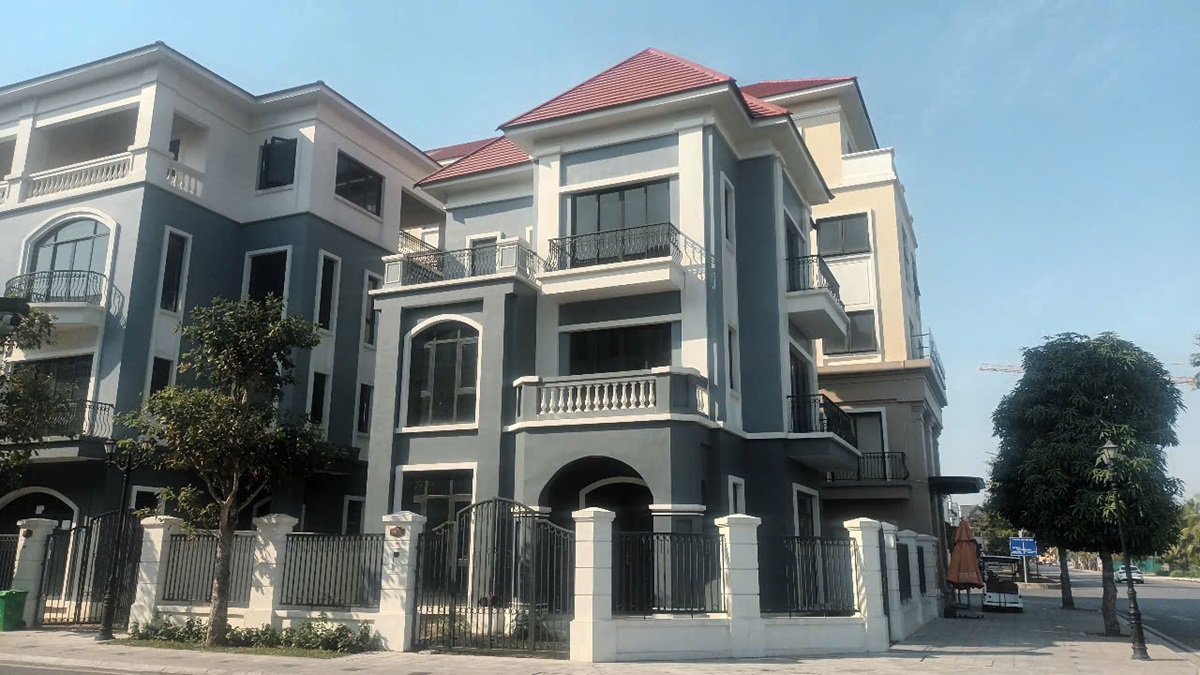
point(270, 547)
point(152, 133)
point(398, 588)
point(693, 326)
point(909, 539)
point(593, 635)
point(868, 582)
point(933, 590)
point(895, 613)
point(30, 558)
point(739, 544)
point(25, 150)
point(156, 541)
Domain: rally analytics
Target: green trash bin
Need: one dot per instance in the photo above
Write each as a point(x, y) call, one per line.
point(12, 609)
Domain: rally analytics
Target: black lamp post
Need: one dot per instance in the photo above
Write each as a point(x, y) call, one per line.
point(124, 464)
point(1137, 636)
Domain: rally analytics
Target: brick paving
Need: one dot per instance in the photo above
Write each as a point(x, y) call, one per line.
point(1043, 639)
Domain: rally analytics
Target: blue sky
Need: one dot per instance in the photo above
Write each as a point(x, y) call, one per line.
point(1049, 149)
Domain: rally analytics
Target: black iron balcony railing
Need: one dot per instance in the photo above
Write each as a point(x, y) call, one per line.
point(925, 348)
point(875, 466)
point(813, 413)
point(479, 261)
point(90, 419)
point(612, 246)
point(809, 273)
point(411, 244)
point(91, 288)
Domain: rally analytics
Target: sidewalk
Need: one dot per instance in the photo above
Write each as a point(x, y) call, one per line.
point(1043, 639)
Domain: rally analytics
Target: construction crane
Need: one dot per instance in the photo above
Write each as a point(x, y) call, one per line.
point(1010, 368)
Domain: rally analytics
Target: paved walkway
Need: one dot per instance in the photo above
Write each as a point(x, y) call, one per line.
point(1044, 639)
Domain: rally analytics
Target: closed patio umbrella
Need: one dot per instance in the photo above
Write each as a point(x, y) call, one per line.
point(963, 571)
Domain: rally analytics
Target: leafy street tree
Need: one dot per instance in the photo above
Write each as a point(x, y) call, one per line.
point(1048, 476)
point(1186, 550)
point(994, 530)
point(226, 428)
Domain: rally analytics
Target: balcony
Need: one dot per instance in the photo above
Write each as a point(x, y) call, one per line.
point(592, 398)
point(821, 434)
point(878, 475)
point(74, 297)
point(925, 348)
point(814, 301)
point(80, 175)
point(86, 419)
point(630, 261)
point(510, 258)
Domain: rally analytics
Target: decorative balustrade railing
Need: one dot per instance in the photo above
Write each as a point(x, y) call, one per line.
point(625, 393)
point(876, 466)
point(813, 413)
point(8, 559)
point(81, 175)
point(479, 261)
point(925, 348)
point(83, 286)
point(809, 272)
point(185, 179)
point(806, 575)
point(411, 244)
point(611, 246)
point(658, 390)
point(666, 573)
point(191, 566)
point(332, 570)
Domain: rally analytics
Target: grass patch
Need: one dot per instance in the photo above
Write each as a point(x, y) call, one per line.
point(264, 651)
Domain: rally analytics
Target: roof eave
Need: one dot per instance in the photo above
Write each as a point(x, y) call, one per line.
point(832, 88)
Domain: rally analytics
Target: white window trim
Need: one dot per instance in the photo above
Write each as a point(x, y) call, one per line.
point(604, 482)
point(183, 273)
point(734, 483)
point(398, 487)
point(620, 323)
point(728, 229)
point(346, 510)
point(134, 490)
point(366, 307)
point(797, 489)
point(406, 359)
point(287, 270)
point(322, 254)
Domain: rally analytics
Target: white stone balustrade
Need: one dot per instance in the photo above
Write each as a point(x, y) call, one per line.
point(81, 175)
point(621, 393)
point(666, 390)
point(185, 179)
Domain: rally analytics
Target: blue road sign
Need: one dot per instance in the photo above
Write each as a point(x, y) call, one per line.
point(1022, 547)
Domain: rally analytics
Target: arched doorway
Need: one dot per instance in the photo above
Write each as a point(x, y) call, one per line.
point(601, 482)
point(36, 502)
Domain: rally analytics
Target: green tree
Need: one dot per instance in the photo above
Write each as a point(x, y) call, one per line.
point(995, 530)
point(226, 428)
point(1184, 551)
point(1048, 476)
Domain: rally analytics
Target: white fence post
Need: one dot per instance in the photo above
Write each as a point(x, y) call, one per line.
point(397, 593)
point(868, 581)
point(593, 635)
point(739, 549)
point(896, 611)
point(30, 559)
point(270, 547)
point(156, 541)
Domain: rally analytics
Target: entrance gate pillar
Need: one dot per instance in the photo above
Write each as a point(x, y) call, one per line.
point(593, 634)
point(31, 557)
point(868, 581)
point(398, 589)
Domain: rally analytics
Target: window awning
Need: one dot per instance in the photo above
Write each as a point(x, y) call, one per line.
point(955, 485)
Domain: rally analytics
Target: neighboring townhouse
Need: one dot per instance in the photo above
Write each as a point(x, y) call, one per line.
point(143, 185)
point(623, 308)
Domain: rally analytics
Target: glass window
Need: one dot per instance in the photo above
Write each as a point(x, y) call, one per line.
point(868, 428)
point(618, 349)
point(843, 235)
point(329, 268)
point(160, 374)
point(365, 393)
point(442, 377)
point(277, 163)
point(621, 208)
point(70, 375)
point(316, 407)
point(80, 245)
point(143, 498)
point(358, 185)
point(437, 495)
point(804, 514)
point(267, 274)
point(371, 320)
point(860, 337)
point(352, 523)
point(172, 282)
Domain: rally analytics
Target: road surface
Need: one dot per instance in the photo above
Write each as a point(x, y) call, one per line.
point(6, 669)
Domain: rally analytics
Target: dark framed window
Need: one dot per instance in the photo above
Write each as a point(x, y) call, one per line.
point(358, 185)
point(621, 208)
point(70, 375)
point(441, 387)
point(173, 149)
point(80, 245)
point(145, 499)
point(614, 350)
point(437, 495)
point(843, 235)
point(731, 347)
point(316, 407)
point(327, 292)
point(172, 280)
point(353, 521)
point(276, 163)
point(868, 429)
point(860, 337)
point(268, 275)
point(365, 393)
point(371, 318)
point(160, 374)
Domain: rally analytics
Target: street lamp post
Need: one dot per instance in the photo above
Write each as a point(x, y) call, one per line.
point(124, 464)
point(1136, 634)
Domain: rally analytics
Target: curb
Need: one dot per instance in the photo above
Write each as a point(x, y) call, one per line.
point(1180, 648)
point(23, 659)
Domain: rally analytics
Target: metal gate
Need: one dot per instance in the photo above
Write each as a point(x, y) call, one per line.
point(498, 577)
point(78, 562)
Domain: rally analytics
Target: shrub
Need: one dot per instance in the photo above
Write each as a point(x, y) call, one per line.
point(320, 634)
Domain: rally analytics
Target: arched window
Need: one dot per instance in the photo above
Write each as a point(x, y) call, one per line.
point(80, 245)
point(441, 388)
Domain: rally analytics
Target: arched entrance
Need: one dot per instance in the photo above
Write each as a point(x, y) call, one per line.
point(601, 482)
point(36, 502)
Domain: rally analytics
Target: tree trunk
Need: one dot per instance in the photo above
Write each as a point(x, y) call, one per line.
point(1064, 578)
point(1108, 603)
point(218, 620)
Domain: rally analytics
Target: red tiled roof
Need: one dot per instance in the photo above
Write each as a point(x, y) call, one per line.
point(760, 108)
point(645, 75)
point(460, 150)
point(496, 154)
point(776, 87)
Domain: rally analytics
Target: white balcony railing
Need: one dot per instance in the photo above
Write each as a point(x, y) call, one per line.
point(590, 396)
point(81, 175)
point(185, 179)
point(658, 390)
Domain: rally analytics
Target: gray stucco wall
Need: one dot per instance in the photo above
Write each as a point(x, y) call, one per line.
point(510, 217)
point(624, 159)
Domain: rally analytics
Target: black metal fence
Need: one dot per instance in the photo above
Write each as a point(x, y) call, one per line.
point(410, 244)
point(921, 581)
point(77, 567)
point(876, 466)
point(815, 412)
point(809, 272)
point(191, 566)
point(65, 286)
point(905, 572)
point(610, 246)
point(478, 261)
point(332, 570)
point(807, 576)
point(8, 559)
point(667, 573)
point(92, 419)
point(925, 348)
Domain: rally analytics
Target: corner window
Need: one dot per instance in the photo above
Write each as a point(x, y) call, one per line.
point(172, 275)
point(365, 394)
point(160, 374)
point(316, 406)
point(268, 274)
point(327, 293)
point(358, 185)
point(614, 350)
point(276, 163)
point(442, 376)
point(843, 235)
point(370, 314)
point(860, 337)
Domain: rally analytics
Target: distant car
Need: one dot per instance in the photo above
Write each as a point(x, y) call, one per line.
point(1123, 573)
